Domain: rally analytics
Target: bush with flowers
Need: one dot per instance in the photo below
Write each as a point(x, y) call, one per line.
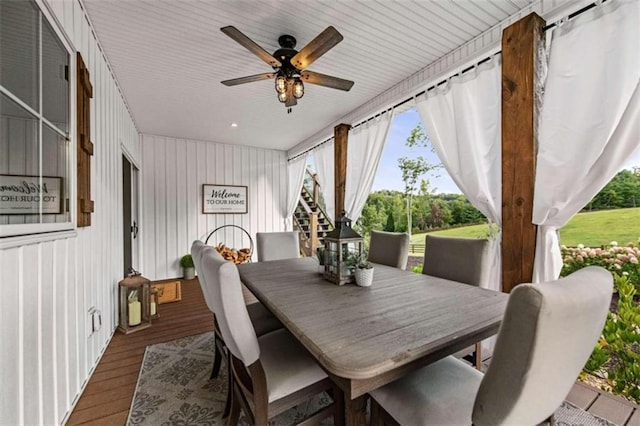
point(616, 357)
point(622, 260)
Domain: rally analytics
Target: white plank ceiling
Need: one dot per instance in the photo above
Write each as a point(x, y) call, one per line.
point(170, 56)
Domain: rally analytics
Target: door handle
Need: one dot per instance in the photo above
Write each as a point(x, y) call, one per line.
point(134, 229)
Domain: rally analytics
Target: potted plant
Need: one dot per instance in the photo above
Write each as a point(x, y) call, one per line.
point(320, 256)
point(363, 269)
point(188, 268)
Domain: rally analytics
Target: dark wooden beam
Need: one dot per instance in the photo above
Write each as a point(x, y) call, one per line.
point(85, 146)
point(521, 44)
point(341, 137)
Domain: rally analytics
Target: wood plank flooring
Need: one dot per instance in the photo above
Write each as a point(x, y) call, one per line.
point(108, 394)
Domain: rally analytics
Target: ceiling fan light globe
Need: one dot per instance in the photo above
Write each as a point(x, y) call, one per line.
point(298, 88)
point(281, 84)
point(282, 97)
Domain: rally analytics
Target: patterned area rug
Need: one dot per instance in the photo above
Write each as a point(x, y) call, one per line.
point(174, 389)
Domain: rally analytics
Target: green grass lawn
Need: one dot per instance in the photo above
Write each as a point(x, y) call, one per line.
point(591, 229)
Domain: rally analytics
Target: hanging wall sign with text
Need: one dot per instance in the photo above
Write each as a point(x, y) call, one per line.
point(30, 195)
point(224, 199)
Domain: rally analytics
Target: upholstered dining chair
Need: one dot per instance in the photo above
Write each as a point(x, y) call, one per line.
point(274, 371)
point(389, 248)
point(278, 245)
point(262, 320)
point(458, 259)
point(547, 334)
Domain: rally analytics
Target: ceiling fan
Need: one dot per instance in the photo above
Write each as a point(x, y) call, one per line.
point(289, 65)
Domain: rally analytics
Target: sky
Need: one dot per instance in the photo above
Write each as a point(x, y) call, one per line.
point(389, 175)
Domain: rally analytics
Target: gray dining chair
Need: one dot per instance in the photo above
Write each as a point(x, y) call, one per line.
point(389, 248)
point(278, 245)
point(458, 259)
point(262, 320)
point(274, 371)
point(547, 334)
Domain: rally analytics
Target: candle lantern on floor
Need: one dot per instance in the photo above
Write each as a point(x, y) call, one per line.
point(153, 306)
point(340, 246)
point(134, 295)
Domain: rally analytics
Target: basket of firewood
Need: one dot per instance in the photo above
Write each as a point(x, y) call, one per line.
point(235, 255)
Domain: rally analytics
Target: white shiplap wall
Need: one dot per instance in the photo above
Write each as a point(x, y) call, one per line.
point(173, 172)
point(49, 282)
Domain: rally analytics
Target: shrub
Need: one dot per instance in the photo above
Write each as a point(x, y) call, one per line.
point(417, 269)
point(186, 261)
point(622, 260)
point(616, 356)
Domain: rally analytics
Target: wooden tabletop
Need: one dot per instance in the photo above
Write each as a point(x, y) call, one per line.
point(365, 337)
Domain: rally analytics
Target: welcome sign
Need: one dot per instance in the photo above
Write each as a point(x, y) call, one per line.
point(230, 199)
point(30, 195)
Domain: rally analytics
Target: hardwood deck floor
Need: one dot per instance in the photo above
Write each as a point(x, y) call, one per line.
point(108, 395)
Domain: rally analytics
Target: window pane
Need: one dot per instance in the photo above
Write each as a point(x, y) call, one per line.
point(55, 185)
point(19, 162)
point(55, 88)
point(19, 50)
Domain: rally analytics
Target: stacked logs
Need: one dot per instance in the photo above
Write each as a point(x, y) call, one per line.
point(232, 255)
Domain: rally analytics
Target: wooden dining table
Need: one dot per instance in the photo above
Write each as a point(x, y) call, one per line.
point(366, 337)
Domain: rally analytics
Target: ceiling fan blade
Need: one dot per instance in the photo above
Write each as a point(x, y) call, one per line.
point(248, 79)
point(251, 46)
point(316, 48)
point(326, 80)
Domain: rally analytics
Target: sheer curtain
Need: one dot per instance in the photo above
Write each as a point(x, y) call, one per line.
point(295, 179)
point(323, 156)
point(364, 151)
point(590, 120)
point(462, 118)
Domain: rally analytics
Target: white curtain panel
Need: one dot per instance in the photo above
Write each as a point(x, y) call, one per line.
point(324, 159)
point(364, 150)
point(295, 179)
point(590, 120)
point(462, 118)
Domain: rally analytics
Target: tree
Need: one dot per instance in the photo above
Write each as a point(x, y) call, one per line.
point(414, 168)
point(623, 190)
point(372, 218)
point(463, 212)
point(390, 226)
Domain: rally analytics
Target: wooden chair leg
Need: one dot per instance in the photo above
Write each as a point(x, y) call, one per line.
point(477, 356)
point(234, 415)
point(229, 402)
point(217, 361)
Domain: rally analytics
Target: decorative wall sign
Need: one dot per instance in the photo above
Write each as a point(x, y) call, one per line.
point(224, 199)
point(24, 195)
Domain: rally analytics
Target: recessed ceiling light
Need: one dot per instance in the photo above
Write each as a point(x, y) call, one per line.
point(234, 124)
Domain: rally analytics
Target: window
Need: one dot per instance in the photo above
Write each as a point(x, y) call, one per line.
point(35, 151)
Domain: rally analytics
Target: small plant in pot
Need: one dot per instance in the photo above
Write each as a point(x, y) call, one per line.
point(320, 256)
point(188, 268)
point(363, 270)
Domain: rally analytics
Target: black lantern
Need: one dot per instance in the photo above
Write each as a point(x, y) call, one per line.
point(340, 246)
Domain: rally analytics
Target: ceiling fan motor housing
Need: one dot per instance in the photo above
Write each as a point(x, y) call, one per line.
point(285, 53)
